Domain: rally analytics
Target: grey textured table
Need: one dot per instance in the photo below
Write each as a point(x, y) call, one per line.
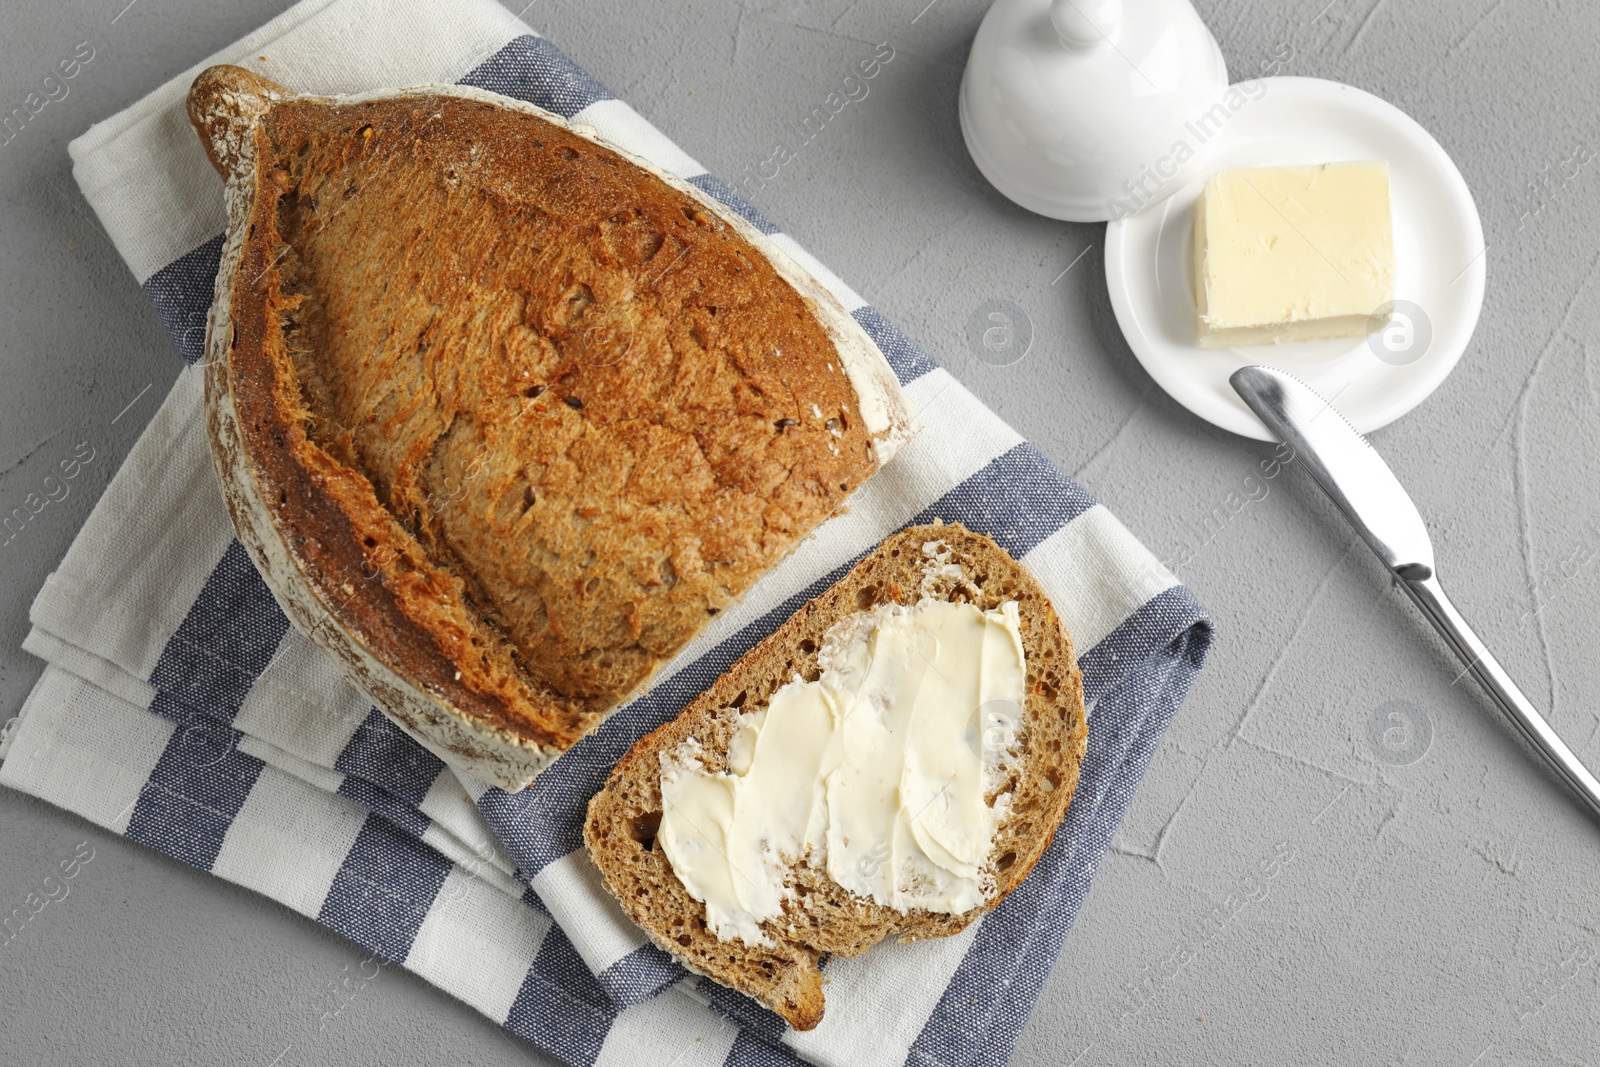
point(1435, 899)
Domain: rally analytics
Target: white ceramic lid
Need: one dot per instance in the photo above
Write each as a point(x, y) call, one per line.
point(1074, 107)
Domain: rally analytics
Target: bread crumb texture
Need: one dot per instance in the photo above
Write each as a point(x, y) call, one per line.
point(820, 918)
point(560, 411)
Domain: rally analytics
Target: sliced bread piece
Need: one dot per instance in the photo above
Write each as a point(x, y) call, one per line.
point(504, 414)
point(820, 917)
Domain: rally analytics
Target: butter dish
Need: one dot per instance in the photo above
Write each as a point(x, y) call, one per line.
point(1438, 262)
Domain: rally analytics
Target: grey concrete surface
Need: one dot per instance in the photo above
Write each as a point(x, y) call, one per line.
point(1440, 906)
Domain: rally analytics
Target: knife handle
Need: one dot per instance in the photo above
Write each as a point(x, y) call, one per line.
point(1429, 596)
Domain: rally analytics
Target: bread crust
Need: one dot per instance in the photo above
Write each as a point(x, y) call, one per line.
point(413, 596)
point(822, 919)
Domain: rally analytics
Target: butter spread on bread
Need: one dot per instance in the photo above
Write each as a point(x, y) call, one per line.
point(880, 770)
point(799, 903)
point(503, 414)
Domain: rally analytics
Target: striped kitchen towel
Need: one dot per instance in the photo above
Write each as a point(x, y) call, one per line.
point(179, 709)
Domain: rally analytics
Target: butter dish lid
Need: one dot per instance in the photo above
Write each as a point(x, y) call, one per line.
point(1083, 109)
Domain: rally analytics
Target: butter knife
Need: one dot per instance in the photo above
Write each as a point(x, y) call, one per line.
point(1357, 479)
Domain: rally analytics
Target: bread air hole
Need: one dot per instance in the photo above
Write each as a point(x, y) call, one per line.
point(644, 829)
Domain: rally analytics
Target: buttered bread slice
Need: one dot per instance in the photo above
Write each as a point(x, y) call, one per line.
point(504, 414)
point(891, 762)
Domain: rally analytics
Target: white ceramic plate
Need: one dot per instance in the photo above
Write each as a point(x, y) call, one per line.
point(1438, 251)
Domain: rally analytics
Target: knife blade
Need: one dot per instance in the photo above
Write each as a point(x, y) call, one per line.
point(1374, 502)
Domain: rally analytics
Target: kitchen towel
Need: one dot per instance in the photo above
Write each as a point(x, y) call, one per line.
point(181, 710)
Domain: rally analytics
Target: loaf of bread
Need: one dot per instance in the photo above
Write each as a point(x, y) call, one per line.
point(819, 917)
point(504, 414)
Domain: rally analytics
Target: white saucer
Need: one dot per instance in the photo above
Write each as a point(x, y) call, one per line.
point(1438, 251)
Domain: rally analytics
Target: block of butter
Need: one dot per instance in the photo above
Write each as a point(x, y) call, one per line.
point(1292, 253)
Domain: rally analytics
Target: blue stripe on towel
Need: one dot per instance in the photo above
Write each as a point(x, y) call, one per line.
point(224, 643)
point(386, 804)
point(182, 292)
point(722, 192)
point(199, 783)
point(909, 361)
point(383, 754)
point(560, 966)
point(228, 638)
point(751, 1051)
point(384, 889)
point(533, 70)
point(1134, 641)
point(205, 672)
point(640, 975)
point(1019, 498)
point(561, 1008)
